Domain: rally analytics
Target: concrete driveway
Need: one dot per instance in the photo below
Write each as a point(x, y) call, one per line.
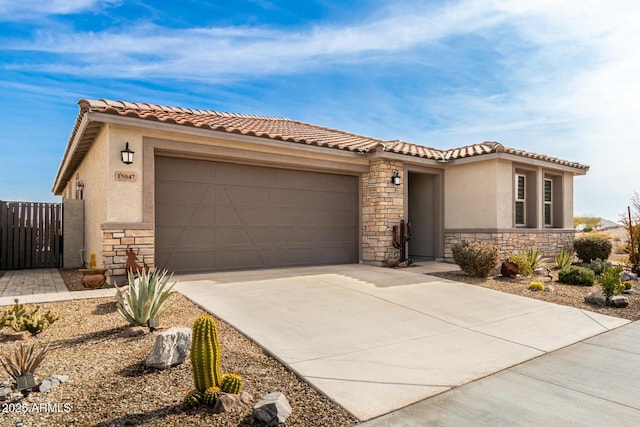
point(375, 340)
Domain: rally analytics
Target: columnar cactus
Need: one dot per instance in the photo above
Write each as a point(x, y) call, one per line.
point(205, 360)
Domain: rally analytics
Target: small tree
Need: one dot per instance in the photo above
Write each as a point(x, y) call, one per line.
point(631, 222)
point(609, 281)
point(592, 222)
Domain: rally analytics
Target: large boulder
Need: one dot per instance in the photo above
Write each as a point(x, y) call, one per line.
point(619, 301)
point(627, 276)
point(595, 298)
point(509, 269)
point(272, 409)
point(170, 348)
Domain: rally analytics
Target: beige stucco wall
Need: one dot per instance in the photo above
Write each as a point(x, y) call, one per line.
point(125, 197)
point(94, 172)
point(471, 195)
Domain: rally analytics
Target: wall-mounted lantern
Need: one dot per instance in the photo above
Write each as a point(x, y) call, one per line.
point(395, 178)
point(127, 155)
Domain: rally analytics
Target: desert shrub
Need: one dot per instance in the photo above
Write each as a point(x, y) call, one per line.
point(627, 285)
point(589, 248)
point(575, 275)
point(598, 266)
point(536, 286)
point(522, 262)
point(475, 258)
point(563, 259)
point(609, 281)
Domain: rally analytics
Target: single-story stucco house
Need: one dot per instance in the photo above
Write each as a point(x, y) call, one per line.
point(209, 191)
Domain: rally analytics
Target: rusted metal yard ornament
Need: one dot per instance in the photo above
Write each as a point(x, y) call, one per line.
point(401, 237)
point(131, 266)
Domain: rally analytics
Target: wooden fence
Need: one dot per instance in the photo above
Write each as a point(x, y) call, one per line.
point(30, 235)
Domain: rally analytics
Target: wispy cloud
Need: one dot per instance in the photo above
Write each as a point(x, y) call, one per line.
point(11, 10)
point(208, 53)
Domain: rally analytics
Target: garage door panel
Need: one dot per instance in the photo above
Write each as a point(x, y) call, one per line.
point(238, 236)
point(243, 196)
point(219, 216)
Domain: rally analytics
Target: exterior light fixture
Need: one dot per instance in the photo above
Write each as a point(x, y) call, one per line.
point(395, 178)
point(127, 155)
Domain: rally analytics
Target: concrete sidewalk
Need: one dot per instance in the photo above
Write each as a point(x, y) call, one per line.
point(376, 340)
point(592, 383)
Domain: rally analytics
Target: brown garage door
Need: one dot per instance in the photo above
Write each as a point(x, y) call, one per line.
point(213, 216)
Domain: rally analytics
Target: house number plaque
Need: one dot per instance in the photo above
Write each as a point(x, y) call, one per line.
point(126, 176)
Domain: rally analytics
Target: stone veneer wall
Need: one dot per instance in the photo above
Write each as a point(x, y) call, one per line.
point(382, 208)
point(548, 242)
point(115, 243)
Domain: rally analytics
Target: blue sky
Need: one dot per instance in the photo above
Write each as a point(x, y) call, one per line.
point(558, 78)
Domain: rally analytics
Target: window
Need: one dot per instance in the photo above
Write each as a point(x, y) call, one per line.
point(521, 184)
point(548, 208)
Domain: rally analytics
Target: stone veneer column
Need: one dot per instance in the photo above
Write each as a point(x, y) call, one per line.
point(115, 243)
point(382, 208)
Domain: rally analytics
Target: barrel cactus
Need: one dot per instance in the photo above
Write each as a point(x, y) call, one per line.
point(205, 360)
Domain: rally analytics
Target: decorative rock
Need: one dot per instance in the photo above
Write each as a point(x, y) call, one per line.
point(272, 409)
point(51, 381)
point(5, 393)
point(540, 271)
point(631, 291)
point(595, 298)
point(170, 348)
point(627, 276)
point(61, 378)
point(246, 398)
point(619, 301)
point(509, 269)
point(226, 402)
point(549, 288)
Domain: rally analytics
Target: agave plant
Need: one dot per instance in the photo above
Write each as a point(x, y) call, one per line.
point(563, 259)
point(145, 296)
point(23, 362)
point(534, 258)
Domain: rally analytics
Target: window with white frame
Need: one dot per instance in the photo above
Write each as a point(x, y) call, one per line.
point(520, 207)
point(548, 202)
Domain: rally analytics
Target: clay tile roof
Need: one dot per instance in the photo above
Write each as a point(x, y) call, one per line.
point(274, 128)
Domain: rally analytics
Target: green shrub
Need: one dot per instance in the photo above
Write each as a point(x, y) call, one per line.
point(590, 248)
point(575, 275)
point(598, 266)
point(609, 281)
point(475, 258)
point(536, 286)
point(627, 285)
point(563, 259)
point(522, 262)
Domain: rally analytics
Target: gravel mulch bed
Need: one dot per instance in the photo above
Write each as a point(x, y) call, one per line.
point(563, 294)
point(109, 384)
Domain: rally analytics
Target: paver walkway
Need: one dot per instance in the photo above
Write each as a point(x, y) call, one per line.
point(16, 283)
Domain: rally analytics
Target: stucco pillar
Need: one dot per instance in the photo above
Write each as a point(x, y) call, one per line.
point(382, 208)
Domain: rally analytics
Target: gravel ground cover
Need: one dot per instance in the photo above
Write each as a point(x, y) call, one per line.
point(109, 384)
point(563, 294)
